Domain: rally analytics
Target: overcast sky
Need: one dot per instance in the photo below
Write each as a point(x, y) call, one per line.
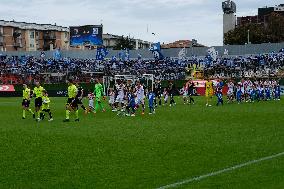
point(170, 19)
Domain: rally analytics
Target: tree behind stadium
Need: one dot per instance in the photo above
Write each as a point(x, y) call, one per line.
point(271, 31)
point(124, 43)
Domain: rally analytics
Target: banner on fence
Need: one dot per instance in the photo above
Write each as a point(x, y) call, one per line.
point(7, 88)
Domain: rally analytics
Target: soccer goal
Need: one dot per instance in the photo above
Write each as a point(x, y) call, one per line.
point(149, 80)
point(109, 81)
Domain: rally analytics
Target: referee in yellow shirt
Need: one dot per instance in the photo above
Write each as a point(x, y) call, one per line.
point(26, 101)
point(71, 104)
point(38, 99)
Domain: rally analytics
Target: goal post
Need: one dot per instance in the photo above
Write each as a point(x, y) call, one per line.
point(132, 78)
point(107, 83)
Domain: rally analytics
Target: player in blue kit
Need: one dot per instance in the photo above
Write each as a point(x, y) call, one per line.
point(252, 94)
point(219, 96)
point(261, 93)
point(239, 94)
point(151, 99)
point(277, 92)
point(131, 104)
point(267, 93)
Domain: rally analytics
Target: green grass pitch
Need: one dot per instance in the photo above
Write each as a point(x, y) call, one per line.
point(143, 152)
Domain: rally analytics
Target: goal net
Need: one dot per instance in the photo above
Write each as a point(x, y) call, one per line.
point(110, 81)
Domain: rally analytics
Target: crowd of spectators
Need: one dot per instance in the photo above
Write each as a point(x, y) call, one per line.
point(266, 65)
point(28, 69)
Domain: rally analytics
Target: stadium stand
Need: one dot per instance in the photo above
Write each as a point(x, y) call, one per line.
point(17, 70)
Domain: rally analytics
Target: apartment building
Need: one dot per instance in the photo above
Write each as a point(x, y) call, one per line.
point(110, 40)
point(22, 36)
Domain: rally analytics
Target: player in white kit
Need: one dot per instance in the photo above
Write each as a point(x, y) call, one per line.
point(230, 93)
point(91, 103)
point(140, 96)
point(120, 95)
point(166, 96)
point(184, 93)
point(112, 100)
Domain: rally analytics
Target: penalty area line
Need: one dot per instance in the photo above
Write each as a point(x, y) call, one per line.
point(201, 177)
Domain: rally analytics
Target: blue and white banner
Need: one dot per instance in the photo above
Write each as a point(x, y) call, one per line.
point(102, 52)
point(156, 50)
point(226, 52)
point(155, 47)
point(182, 54)
point(124, 55)
point(213, 53)
point(42, 54)
point(23, 60)
point(113, 58)
point(282, 90)
point(57, 54)
point(139, 57)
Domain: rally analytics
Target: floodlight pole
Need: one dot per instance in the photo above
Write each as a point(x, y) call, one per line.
point(248, 37)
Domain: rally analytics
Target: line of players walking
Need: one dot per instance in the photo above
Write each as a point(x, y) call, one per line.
point(126, 98)
point(251, 91)
point(243, 91)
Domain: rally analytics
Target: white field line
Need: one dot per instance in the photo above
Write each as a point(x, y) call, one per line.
point(11, 104)
point(201, 177)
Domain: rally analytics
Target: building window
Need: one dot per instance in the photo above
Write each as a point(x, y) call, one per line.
point(32, 45)
point(32, 34)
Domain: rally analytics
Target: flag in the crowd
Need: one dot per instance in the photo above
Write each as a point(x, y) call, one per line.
point(156, 54)
point(124, 55)
point(102, 52)
point(208, 60)
point(262, 62)
point(182, 54)
point(139, 56)
point(113, 58)
point(23, 60)
point(42, 54)
point(213, 53)
point(66, 61)
point(127, 55)
point(156, 50)
point(226, 52)
point(155, 47)
point(57, 54)
point(49, 62)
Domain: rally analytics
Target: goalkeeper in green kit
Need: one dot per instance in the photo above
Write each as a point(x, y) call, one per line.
point(99, 93)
